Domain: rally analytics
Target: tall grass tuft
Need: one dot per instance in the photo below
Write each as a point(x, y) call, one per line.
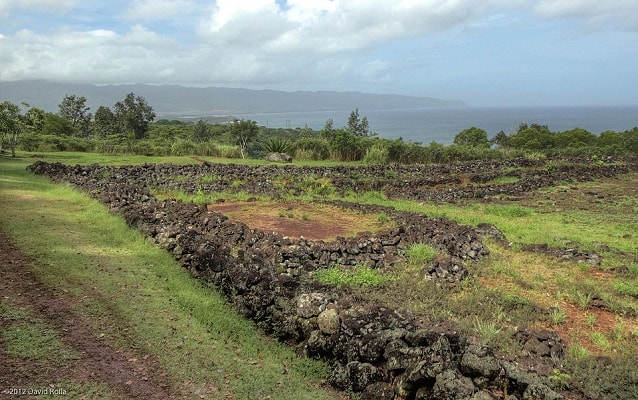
point(420, 253)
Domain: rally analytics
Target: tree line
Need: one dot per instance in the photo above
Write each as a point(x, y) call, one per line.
point(129, 127)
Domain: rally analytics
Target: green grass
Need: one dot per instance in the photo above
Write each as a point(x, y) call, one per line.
point(511, 288)
point(629, 288)
point(488, 331)
point(557, 316)
point(357, 276)
point(608, 226)
point(138, 297)
point(31, 338)
point(420, 253)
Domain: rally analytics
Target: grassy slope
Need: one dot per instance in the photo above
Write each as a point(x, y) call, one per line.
point(139, 297)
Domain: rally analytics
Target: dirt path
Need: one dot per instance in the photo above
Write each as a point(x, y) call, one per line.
point(125, 373)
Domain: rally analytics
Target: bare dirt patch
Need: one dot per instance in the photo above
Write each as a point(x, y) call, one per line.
point(312, 221)
point(125, 373)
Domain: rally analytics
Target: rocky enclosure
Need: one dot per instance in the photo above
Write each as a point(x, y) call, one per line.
point(382, 353)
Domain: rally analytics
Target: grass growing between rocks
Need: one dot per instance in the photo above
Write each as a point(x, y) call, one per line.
point(514, 288)
point(593, 307)
point(357, 276)
point(137, 297)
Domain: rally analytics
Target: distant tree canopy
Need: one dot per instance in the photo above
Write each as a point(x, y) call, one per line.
point(242, 132)
point(128, 128)
point(202, 131)
point(74, 109)
point(14, 121)
point(134, 114)
point(473, 137)
point(532, 137)
point(356, 125)
point(105, 122)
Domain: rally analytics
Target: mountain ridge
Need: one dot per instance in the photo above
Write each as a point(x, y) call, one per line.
point(180, 101)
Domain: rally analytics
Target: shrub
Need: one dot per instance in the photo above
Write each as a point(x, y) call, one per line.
point(183, 148)
point(230, 151)
point(311, 149)
point(312, 186)
point(376, 154)
point(277, 145)
point(420, 253)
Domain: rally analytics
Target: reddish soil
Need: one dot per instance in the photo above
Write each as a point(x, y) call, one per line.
point(298, 219)
point(126, 373)
point(576, 326)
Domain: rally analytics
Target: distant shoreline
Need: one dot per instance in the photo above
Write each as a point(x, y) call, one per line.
point(442, 124)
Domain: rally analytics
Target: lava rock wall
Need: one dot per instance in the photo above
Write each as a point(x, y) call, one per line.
point(382, 353)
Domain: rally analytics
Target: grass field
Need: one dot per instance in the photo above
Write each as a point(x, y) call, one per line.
point(134, 296)
point(146, 301)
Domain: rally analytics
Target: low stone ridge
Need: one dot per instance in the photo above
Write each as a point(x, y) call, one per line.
point(440, 183)
point(380, 352)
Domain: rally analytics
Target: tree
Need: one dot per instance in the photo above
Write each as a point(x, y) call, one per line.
point(74, 109)
point(10, 124)
point(630, 140)
point(532, 137)
point(473, 137)
point(243, 132)
point(134, 115)
point(13, 122)
point(58, 126)
point(201, 131)
point(356, 125)
point(577, 137)
point(105, 122)
point(501, 140)
point(610, 139)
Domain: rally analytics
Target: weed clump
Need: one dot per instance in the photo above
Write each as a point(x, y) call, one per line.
point(420, 253)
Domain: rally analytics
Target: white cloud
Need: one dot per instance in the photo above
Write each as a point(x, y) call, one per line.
point(159, 9)
point(331, 26)
point(616, 14)
point(303, 44)
point(99, 56)
point(56, 6)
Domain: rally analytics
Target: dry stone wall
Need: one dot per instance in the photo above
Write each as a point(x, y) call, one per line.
point(382, 353)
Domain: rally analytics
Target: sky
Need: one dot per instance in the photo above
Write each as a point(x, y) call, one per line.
point(486, 53)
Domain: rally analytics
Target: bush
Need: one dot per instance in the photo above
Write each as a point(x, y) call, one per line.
point(376, 154)
point(347, 147)
point(45, 143)
point(420, 253)
point(277, 145)
point(311, 149)
point(183, 148)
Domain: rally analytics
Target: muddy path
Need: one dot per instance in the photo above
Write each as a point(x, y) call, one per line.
point(121, 373)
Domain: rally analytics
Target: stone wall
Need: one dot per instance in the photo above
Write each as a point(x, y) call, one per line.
point(382, 353)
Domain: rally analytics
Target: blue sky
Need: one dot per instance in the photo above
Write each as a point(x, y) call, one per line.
point(486, 53)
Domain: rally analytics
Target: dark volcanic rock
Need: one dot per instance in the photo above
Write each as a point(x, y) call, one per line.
point(380, 352)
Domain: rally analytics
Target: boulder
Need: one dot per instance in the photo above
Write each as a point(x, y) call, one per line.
point(279, 157)
point(329, 321)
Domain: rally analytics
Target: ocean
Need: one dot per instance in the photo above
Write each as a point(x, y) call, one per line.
point(441, 125)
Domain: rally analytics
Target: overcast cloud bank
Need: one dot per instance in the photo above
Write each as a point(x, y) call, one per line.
point(489, 52)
